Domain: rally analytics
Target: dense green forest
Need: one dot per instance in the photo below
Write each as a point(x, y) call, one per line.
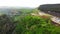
point(25, 23)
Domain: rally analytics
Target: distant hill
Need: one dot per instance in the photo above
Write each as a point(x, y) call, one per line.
point(13, 10)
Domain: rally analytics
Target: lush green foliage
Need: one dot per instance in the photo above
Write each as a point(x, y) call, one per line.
point(35, 25)
point(27, 24)
point(25, 11)
point(7, 26)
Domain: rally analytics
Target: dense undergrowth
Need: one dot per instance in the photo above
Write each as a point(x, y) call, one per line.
point(35, 25)
point(7, 26)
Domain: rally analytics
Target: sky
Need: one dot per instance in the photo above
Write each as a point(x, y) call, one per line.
point(26, 3)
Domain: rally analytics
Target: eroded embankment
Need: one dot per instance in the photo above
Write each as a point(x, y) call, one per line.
point(54, 19)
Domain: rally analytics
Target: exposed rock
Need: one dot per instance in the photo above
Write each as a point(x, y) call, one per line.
point(50, 7)
point(53, 9)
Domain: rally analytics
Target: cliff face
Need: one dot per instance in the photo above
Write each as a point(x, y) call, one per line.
point(53, 9)
point(50, 7)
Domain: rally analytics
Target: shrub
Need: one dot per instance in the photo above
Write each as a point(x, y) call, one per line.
point(7, 26)
point(35, 25)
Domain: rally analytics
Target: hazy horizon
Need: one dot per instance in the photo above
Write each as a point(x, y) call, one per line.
point(26, 3)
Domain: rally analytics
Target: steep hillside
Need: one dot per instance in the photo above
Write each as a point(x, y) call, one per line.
point(53, 9)
point(50, 7)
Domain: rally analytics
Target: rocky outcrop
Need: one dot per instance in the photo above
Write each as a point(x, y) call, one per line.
point(50, 7)
point(53, 9)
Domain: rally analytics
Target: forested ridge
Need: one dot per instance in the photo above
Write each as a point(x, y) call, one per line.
point(25, 23)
